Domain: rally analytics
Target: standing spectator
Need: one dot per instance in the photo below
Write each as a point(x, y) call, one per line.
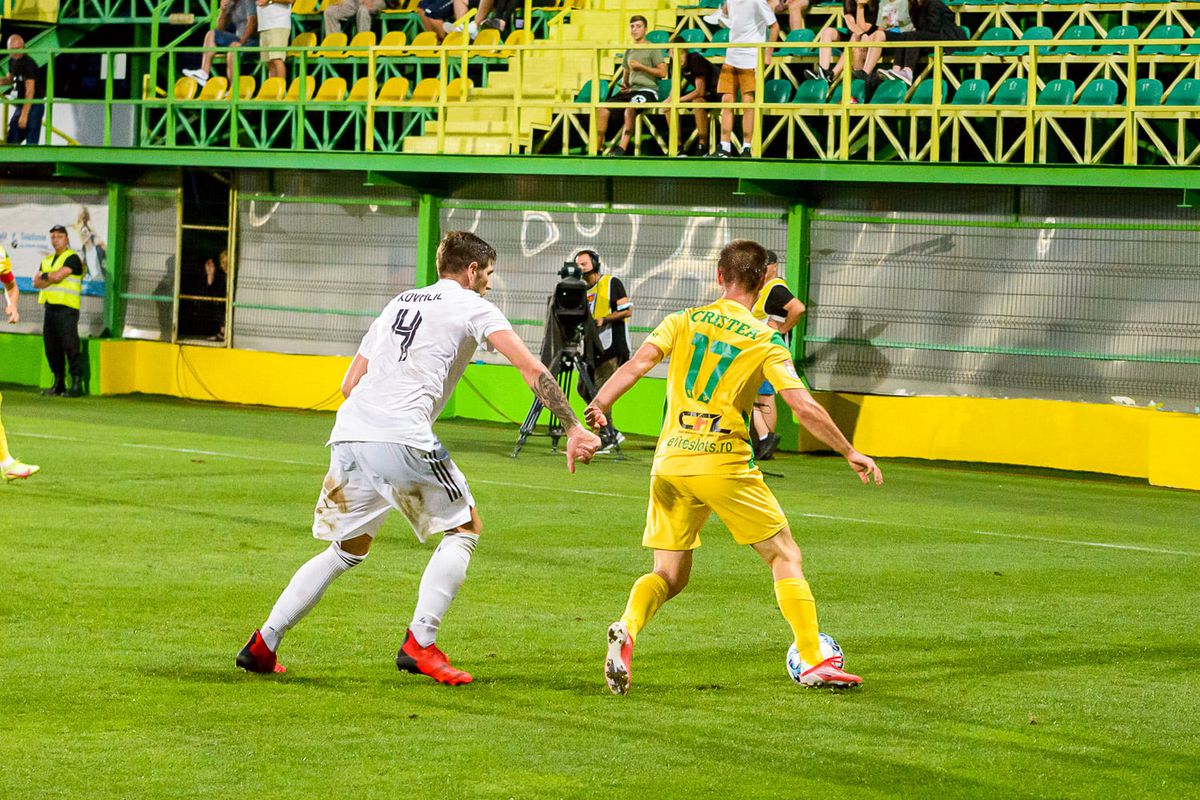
point(859, 17)
point(749, 21)
point(643, 70)
point(237, 26)
point(702, 75)
point(611, 308)
point(26, 123)
point(59, 282)
point(341, 10)
point(932, 22)
point(274, 32)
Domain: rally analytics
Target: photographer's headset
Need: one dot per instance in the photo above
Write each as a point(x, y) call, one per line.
point(594, 256)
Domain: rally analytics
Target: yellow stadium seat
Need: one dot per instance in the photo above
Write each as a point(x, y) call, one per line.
point(310, 87)
point(325, 4)
point(405, 7)
point(186, 88)
point(308, 39)
point(427, 91)
point(488, 37)
point(364, 89)
point(423, 44)
point(271, 89)
point(333, 90)
point(395, 90)
point(456, 39)
point(332, 40)
point(516, 38)
point(393, 44)
point(362, 40)
point(303, 7)
point(459, 88)
point(215, 89)
point(246, 86)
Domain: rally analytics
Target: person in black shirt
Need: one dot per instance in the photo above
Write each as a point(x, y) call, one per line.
point(611, 307)
point(26, 123)
point(932, 21)
point(702, 75)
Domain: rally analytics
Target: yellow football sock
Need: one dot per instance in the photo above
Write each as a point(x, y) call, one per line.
point(4, 454)
point(647, 596)
point(800, 610)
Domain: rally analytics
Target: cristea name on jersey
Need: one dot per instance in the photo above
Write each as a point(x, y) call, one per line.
point(731, 324)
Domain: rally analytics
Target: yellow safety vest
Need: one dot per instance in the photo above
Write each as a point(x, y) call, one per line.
point(67, 291)
point(760, 305)
point(600, 299)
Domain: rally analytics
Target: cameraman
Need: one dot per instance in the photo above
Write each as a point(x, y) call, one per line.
point(610, 307)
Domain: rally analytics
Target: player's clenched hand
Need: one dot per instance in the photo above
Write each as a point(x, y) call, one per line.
point(595, 417)
point(14, 316)
point(581, 446)
point(866, 467)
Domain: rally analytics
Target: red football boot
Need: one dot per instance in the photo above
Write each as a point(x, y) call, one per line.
point(827, 673)
point(618, 662)
point(257, 657)
point(428, 661)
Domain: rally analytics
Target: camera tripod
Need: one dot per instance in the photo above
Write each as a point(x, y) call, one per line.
point(567, 360)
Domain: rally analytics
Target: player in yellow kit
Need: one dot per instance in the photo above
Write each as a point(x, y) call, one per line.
point(10, 468)
point(719, 356)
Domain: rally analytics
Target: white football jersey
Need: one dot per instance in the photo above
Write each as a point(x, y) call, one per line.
point(416, 351)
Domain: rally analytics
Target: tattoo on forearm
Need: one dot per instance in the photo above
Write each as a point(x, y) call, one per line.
point(552, 397)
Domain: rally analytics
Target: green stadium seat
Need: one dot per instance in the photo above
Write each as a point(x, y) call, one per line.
point(996, 35)
point(718, 38)
point(711, 3)
point(1100, 92)
point(1185, 93)
point(658, 37)
point(799, 35)
point(1012, 92)
point(858, 91)
point(1075, 33)
point(973, 92)
point(890, 93)
point(585, 94)
point(1060, 92)
point(923, 93)
point(1193, 49)
point(813, 90)
point(1037, 33)
point(1149, 92)
point(777, 91)
point(664, 89)
point(1164, 32)
point(692, 35)
point(1121, 33)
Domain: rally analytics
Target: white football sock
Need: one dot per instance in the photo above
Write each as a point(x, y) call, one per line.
point(305, 590)
point(727, 147)
point(445, 574)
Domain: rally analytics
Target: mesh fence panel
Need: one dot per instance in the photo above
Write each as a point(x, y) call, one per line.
point(150, 264)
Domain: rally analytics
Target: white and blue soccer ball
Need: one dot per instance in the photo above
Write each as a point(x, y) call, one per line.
point(829, 649)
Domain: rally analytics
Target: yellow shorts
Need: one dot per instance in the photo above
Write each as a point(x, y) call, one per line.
point(680, 505)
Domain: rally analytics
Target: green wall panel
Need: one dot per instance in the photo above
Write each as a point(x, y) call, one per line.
point(23, 361)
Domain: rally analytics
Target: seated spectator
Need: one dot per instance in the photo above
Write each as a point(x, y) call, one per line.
point(702, 75)
point(274, 32)
point(341, 10)
point(439, 16)
point(25, 126)
point(859, 17)
point(643, 69)
point(932, 21)
point(237, 26)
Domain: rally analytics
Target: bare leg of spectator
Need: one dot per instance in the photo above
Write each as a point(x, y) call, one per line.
point(796, 11)
point(701, 115)
point(726, 122)
point(276, 69)
point(627, 131)
point(825, 55)
point(602, 115)
point(747, 122)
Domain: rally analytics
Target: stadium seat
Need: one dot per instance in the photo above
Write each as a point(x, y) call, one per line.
point(1099, 92)
point(488, 37)
point(215, 89)
point(973, 92)
point(812, 90)
point(1012, 92)
point(456, 39)
point(1121, 33)
point(427, 91)
point(996, 35)
point(186, 88)
point(395, 90)
point(777, 91)
point(331, 40)
point(1193, 49)
point(1163, 32)
point(333, 90)
point(516, 39)
point(1184, 93)
point(361, 40)
point(310, 88)
point(1076, 33)
point(423, 45)
point(890, 93)
point(1149, 92)
point(585, 94)
point(392, 44)
point(692, 35)
point(923, 93)
point(664, 89)
point(721, 36)
point(364, 89)
point(1037, 33)
point(658, 37)
point(303, 8)
point(307, 39)
point(246, 87)
point(458, 89)
point(858, 91)
point(271, 89)
point(799, 35)
point(1060, 92)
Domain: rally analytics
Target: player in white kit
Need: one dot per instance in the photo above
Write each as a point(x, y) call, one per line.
point(385, 455)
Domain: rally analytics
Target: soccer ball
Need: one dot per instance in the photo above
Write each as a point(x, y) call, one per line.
point(829, 649)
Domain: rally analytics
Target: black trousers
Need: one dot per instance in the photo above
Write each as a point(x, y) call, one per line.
point(60, 335)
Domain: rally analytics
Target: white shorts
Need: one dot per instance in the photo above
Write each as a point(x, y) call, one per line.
point(367, 479)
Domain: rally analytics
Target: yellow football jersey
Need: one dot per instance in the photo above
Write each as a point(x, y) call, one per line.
point(5, 264)
point(720, 355)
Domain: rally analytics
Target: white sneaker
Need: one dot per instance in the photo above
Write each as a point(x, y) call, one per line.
point(449, 28)
point(472, 29)
point(717, 18)
point(198, 75)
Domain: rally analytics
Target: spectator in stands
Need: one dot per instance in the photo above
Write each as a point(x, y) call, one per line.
point(439, 15)
point(702, 75)
point(274, 33)
point(932, 21)
point(795, 10)
point(643, 69)
point(237, 26)
point(749, 21)
point(859, 17)
point(25, 126)
point(340, 10)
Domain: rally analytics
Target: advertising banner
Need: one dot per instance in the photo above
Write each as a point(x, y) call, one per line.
point(25, 236)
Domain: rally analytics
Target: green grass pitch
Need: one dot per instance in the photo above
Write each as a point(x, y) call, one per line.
point(1021, 634)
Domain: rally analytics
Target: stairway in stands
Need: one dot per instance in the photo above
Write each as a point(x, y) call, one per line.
point(483, 124)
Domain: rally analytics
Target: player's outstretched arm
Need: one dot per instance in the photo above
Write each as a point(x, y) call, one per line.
point(582, 444)
point(358, 368)
point(11, 293)
point(621, 382)
point(817, 420)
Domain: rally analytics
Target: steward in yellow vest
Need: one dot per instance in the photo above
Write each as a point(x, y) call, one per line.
point(59, 282)
point(611, 308)
point(779, 308)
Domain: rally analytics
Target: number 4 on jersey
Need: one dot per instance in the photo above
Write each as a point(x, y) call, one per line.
point(702, 346)
point(406, 329)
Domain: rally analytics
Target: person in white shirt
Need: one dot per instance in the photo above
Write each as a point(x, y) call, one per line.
point(274, 33)
point(384, 454)
point(749, 22)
